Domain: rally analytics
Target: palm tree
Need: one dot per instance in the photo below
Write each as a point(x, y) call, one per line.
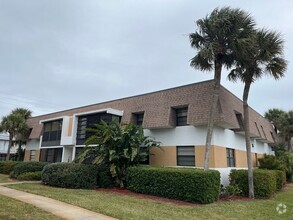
point(15, 124)
point(221, 37)
point(266, 57)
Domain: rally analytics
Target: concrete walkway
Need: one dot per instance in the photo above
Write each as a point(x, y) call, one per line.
point(55, 207)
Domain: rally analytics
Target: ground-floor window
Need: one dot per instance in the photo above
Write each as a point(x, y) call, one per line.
point(185, 156)
point(51, 155)
point(2, 157)
point(32, 155)
point(230, 157)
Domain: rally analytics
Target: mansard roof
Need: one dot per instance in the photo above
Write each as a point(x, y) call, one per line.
point(158, 108)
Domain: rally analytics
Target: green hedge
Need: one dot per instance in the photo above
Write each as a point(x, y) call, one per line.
point(265, 182)
point(28, 167)
point(74, 175)
point(187, 184)
point(70, 175)
point(30, 176)
point(6, 167)
point(281, 178)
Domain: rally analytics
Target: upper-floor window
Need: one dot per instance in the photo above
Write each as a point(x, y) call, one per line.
point(88, 121)
point(185, 156)
point(52, 133)
point(240, 120)
point(181, 116)
point(230, 157)
point(138, 120)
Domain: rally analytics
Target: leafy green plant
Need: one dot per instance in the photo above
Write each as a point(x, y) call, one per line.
point(30, 176)
point(287, 159)
point(70, 175)
point(116, 146)
point(191, 185)
point(6, 167)
point(265, 182)
point(230, 191)
point(271, 162)
point(28, 167)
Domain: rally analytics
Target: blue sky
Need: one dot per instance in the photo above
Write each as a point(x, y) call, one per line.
point(57, 55)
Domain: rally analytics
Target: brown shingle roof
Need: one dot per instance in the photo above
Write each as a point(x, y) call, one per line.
point(158, 109)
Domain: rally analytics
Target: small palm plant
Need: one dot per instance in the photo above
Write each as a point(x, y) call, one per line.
point(116, 146)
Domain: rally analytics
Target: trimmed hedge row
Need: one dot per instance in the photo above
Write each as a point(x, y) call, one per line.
point(266, 182)
point(74, 175)
point(30, 176)
point(190, 185)
point(6, 167)
point(28, 167)
point(281, 178)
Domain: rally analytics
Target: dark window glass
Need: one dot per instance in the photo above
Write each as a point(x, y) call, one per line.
point(89, 121)
point(52, 133)
point(181, 116)
point(138, 118)
point(230, 157)
point(51, 155)
point(185, 156)
point(240, 120)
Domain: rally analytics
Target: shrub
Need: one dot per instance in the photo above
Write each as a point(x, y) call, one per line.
point(105, 178)
point(6, 167)
point(281, 178)
point(190, 185)
point(28, 167)
point(230, 191)
point(70, 175)
point(271, 162)
point(265, 182)
point(30, 176)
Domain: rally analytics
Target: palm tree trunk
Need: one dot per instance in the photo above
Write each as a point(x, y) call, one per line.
point(247, 139)
point(9, 147)
point(213, 107)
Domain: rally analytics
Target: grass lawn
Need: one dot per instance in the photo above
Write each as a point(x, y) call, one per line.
point(129, 207)
point(13, 209)
point(5, 179)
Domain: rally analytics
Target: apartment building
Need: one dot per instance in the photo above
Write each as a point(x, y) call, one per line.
point(176, 117)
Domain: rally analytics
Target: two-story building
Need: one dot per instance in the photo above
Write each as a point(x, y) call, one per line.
point(176, 117)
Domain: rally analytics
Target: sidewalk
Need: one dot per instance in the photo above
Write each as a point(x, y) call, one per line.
point(55, 207)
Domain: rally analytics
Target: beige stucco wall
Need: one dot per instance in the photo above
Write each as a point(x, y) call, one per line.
point(27, 155)
point(70, 126)
point(165, 157)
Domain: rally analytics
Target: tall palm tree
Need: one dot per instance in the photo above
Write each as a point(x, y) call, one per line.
point(266, 57)
point(15, 123)
point(221, 37)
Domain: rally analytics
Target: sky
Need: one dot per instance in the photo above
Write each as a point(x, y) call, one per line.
point(56, 55)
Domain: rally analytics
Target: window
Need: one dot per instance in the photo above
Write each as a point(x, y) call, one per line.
point(185, 156)
point(263, 132)
point(240, 120)
point(230, 157)
point(32, 154)
point(138, 118)
point(52, 133)
point(88, 121)
point(51, 155)
point(181, 116)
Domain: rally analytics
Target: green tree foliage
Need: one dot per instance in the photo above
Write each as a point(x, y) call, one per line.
point(271, 162)
point(116, 146)
point(15, 124)
point(221, 37)
point(283, 122)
